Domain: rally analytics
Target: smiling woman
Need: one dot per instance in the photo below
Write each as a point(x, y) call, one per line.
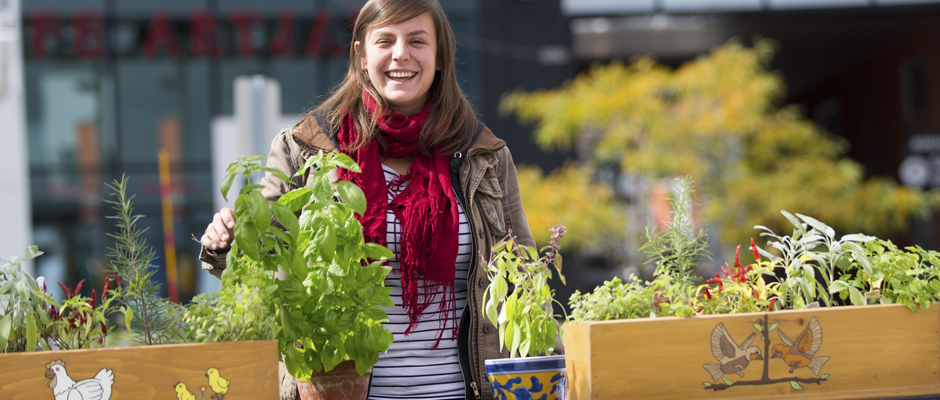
point(400, 114)
point(400, 61)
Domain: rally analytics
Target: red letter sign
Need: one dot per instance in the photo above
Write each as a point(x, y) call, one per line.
point(158, 34)
point(89, 38)
point(44, 23)
point(282, 44)
point(319, 33)
point(244, 21)
point(203, 35)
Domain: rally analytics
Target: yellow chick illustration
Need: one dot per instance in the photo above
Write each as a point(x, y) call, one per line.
point(182, 393)
point(218, 384)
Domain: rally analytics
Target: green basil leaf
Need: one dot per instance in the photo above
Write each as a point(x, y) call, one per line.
point(260, 211)
point(352, 195)
point(296, 199)
point(321, 189)
point(227, 185)
point(247, 238)
point(376, 314)
point(278, 173)
point(326, 242)
point(375, 251)
point(346, 162)
point(286, 217)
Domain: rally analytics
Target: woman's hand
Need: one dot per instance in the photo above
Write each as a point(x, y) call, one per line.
point(219, 234)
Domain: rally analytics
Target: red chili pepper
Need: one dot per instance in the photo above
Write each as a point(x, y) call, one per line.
point(720, 286)
point(754, 249)
point(754, 292)
point(101, 340)
point(94, 297)
point(772, 302)
point(104, 290)
point(104, 328)
point(708, 294)
point(65, 290)
point(78, 288)
point(117, 279)
point(737, 258)
point(44, 286)
point(713, 281)
point(725, 270)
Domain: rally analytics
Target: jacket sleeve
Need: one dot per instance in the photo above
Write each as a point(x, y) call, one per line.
point(283, 156)
point(512, 204)
point(517, 220)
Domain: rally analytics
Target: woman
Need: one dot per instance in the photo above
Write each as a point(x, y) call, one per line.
point(440, 188)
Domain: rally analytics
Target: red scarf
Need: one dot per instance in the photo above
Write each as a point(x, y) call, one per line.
point(426, 208)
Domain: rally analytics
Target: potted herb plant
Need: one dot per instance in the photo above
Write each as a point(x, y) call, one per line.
point(519, 302)
point(328, 303)
point(758, 330)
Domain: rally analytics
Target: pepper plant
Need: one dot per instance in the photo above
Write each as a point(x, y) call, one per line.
point(328, 306)
point(739, 288)
point(524, 317)
point(81, 322)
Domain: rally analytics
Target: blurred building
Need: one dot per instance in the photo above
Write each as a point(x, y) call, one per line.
point(111, 83)
point(866, 70)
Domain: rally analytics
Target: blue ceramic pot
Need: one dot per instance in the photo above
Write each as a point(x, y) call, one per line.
point(530, 378)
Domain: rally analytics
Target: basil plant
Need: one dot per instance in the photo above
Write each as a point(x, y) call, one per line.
point(328, 307)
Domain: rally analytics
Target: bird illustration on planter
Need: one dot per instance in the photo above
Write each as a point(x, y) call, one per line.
point(182, 393)
point(732, 358)
point(802, 352)
point(218, 384)
point(735, 358)
point(65, 388)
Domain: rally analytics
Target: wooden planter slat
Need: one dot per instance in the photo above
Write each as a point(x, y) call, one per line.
point(874, 352)
point(151, 372)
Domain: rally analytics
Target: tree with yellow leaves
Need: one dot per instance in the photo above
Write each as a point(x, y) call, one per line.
point(718, 120)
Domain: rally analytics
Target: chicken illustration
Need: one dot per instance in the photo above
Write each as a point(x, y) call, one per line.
point(64, 388)
point(218, 384)
point(182, 393)
point(732, 359)
point(801, 353)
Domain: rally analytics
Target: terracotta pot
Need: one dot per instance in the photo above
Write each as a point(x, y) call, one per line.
point(342, 382)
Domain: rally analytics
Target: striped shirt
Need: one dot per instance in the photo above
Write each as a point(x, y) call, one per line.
point(410, 369)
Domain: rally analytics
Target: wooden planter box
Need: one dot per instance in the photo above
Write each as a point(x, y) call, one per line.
point(873, 352)
point(147, 372)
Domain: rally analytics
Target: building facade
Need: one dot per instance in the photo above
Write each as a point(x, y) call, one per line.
point(112, 83)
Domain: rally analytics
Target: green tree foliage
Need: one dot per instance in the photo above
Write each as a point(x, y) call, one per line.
point(568, 197)
point(719, 120)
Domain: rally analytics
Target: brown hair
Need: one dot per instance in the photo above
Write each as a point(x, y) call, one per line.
point(451, 123)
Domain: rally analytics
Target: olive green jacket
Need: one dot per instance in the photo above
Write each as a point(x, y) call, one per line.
point(486, 184)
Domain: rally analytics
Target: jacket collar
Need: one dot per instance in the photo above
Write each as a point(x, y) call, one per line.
point(308, 132)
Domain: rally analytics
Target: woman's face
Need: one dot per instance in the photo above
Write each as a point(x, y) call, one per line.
point(400, 59)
